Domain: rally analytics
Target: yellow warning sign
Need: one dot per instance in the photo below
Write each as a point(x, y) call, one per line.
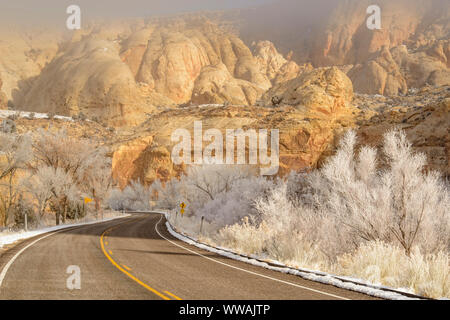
point(183, 205)
point(182, 211)
point(88, 200)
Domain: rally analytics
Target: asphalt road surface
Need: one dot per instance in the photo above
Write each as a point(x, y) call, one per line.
point(137, 258)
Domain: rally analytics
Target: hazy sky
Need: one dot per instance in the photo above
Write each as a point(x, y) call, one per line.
point(23, 11)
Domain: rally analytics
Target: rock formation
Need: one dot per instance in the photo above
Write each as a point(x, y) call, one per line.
point(23, 54)
point(423, 114)
point(120, 71)
point(159, 64)
point(216, 85)
point(305, 132)
point(323, 90)
point(88, 77)
point(393, 71)
point(3, 98)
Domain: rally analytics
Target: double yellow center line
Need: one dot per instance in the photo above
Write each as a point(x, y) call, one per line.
point(114, 263)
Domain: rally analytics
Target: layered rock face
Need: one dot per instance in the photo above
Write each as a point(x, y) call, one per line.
point(409, 51)
point(323, 90)
point(23, 55)
point(309, 132)
point(120, 74)
point(305, 132)
point(3, 98)
point(393, 71)
point(176, 56)
point(216, 85)
point(120, 71)
point(323, 72)
point(88, 77)
point(423, 114)
point(329, 33)
point(272, 63)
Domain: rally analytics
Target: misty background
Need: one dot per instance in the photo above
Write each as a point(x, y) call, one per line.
point(45, 11)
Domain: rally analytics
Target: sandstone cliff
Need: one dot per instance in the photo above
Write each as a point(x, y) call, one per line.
point(23, 55)
point(324, 90)
point(307, 135)
point(305, 132)
point(423, 114)
point(118, 74)
point(3, 98)
point(119, 71)
point(393, 71)
point(88, 77)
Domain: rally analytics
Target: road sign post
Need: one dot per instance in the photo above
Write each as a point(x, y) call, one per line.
point(201, 226)
point(182, 206)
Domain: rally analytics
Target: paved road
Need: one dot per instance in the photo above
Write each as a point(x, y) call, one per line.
point(136, 258)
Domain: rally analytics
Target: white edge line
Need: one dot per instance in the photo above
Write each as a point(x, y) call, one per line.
point(328, 279)
point(244, 270)
point(10, 262)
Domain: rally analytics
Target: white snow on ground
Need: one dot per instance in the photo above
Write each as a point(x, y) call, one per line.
point(356, 285)
point(209, 105)
point(25, 114)
point(11, 237)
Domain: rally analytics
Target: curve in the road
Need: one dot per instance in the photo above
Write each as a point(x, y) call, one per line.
point(244, 270)
point(115, 264)
point(117, 256)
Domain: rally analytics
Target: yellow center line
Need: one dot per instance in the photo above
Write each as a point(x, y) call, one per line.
point(172, 295)
point(126, 272)
point(128, 268)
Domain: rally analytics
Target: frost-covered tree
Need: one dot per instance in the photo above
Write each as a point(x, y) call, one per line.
point(84, 164)
point(59, 150)
point(135, 197)
point(215, 179)
point(94, 176)
point(230, 206)
point(376, 214)
point(200, 186)
point(62, 188)
point(15, 155)
point(38, 186)
point(400, 202)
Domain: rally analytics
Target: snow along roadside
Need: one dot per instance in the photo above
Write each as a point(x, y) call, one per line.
point(16, 236)
point(352, 284)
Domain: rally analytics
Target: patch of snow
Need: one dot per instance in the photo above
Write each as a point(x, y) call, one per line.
point(11, 237)
point(210, 105)
point(26, 114)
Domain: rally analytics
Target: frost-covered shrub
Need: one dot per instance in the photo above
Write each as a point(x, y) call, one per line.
point(15, 156)
point(135, 197)
point(229, 207)
point(245, 237)
point(115, 200)
point(375, 215)
point(378, 262)
point(399, 203)
point(220, 187)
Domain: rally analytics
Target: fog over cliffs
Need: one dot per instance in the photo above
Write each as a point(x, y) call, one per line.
point(30, 11)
